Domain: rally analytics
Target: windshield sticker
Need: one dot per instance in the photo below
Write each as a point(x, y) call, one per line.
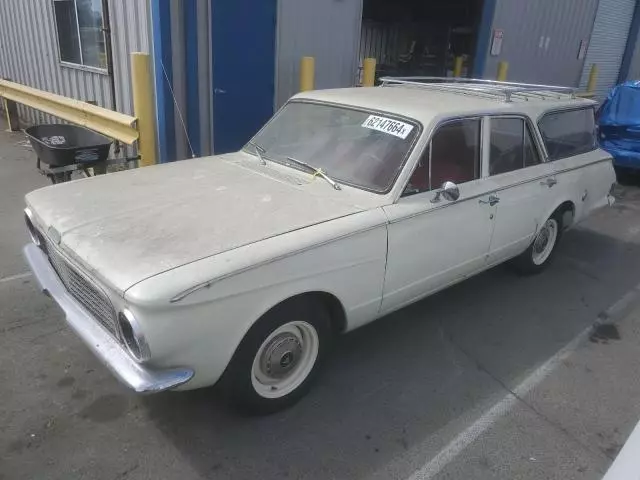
point(386, 125)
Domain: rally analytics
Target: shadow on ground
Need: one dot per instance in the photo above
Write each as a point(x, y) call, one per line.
point(395, 384)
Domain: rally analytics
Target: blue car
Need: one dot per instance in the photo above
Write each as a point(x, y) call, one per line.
point(619, 125)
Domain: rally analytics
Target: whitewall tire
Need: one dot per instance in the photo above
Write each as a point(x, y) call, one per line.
point(279, 358)
point(543, 248)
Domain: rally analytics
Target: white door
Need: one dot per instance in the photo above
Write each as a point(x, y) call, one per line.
point(432, 245)
point(523, 185)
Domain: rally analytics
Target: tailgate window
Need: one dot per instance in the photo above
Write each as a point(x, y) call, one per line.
point(569, 132)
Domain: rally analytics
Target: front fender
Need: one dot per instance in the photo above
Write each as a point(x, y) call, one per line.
point(202, 329)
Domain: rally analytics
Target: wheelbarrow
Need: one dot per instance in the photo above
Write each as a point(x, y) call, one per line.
point(69, 148)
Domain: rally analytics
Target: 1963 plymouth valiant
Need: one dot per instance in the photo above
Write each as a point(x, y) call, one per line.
point(239, 269)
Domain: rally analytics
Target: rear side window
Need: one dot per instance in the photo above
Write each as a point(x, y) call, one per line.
point(569, 133)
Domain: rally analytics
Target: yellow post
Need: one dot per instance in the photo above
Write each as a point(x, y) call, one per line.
point(503, 67)
point(142, 82)
point(307, 73)
point(369, 72)
point(593, 79)
point(457, 67)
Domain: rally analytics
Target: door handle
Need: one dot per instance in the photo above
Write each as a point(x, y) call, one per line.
point(549, 182)
point(219, 91)
point(493, 199)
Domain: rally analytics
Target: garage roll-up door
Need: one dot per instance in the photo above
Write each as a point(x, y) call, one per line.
point(607, 43)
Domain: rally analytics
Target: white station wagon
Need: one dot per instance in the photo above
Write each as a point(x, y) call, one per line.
point(239, 269)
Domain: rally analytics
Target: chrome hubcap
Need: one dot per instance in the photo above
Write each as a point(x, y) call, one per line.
point(542, 241)
point(285, 359)
point(545, 241)
point(281, 356)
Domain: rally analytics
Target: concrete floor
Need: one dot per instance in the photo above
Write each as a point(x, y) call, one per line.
point(460, 385)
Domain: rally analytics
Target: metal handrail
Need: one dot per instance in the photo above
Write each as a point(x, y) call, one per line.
point(481, 87)
point(112, 124)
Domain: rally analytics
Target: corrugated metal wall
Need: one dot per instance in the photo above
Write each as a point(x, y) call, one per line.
point(29, 53)
point(131, 32)
point(542, 39)
point(608, 43)
point(328, 30)
point(384, 42)
point(634, 66)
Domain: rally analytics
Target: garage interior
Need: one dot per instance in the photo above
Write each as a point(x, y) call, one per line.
point(419, 37)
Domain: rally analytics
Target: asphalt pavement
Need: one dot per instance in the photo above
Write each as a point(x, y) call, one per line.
point(500, 377)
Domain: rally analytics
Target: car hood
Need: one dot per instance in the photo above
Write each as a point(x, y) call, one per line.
point(128, 226)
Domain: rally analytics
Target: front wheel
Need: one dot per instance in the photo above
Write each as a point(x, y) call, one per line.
point(541, 252)
point(279, 358)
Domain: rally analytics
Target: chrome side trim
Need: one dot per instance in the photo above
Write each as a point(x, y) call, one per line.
point(136, 376)
point(495, 190)
point(182, 295)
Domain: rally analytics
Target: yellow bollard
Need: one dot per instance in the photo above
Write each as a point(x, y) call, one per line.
point(369, 72)
point(457, 67)
point(503, 67)
point(142, 83)
point(307, 73)
point(593, 79)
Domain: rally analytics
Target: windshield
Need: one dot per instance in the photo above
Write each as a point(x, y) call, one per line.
point(351, 146)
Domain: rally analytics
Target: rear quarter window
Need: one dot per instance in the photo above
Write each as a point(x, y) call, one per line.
point(569, 132)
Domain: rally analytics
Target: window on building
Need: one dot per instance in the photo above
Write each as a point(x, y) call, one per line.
point(512, 146)
point(81, 40)
point(569, 132)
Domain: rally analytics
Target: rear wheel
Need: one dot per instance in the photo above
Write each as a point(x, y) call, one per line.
point(279, 358)
point(541, 252)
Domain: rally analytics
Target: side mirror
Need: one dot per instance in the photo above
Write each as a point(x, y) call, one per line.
point(449, 191)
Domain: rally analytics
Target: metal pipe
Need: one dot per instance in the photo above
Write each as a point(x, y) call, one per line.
point(106, 29)
point(108, 48)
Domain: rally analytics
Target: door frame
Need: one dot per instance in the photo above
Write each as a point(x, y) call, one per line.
point(429, 208)
point(538, 145)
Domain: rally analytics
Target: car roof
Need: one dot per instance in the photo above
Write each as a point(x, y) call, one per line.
point(427, 105)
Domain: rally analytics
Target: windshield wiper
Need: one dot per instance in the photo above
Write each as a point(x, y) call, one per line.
point(260, 151)
point(317, 172)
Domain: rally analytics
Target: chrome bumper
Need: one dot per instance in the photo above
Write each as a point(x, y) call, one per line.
point(136, 376)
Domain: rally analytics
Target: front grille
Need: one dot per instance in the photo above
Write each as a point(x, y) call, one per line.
point(89, 295)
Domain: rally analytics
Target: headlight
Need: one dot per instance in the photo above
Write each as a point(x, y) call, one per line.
point(33, 231)
point(132, 336)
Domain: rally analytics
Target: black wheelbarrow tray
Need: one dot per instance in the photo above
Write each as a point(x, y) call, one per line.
point(60, 145)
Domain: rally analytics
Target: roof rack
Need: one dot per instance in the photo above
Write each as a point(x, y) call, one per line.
point(504, 91)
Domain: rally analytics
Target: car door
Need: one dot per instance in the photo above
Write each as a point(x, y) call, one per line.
point(522, 185)
point(434, 241)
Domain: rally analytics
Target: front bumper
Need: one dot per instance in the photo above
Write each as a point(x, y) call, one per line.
point(136, 376)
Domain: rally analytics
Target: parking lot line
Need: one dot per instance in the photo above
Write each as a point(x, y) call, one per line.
point(627, 464)
point(464, 439)
point(12, 278)
point(500, 409)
